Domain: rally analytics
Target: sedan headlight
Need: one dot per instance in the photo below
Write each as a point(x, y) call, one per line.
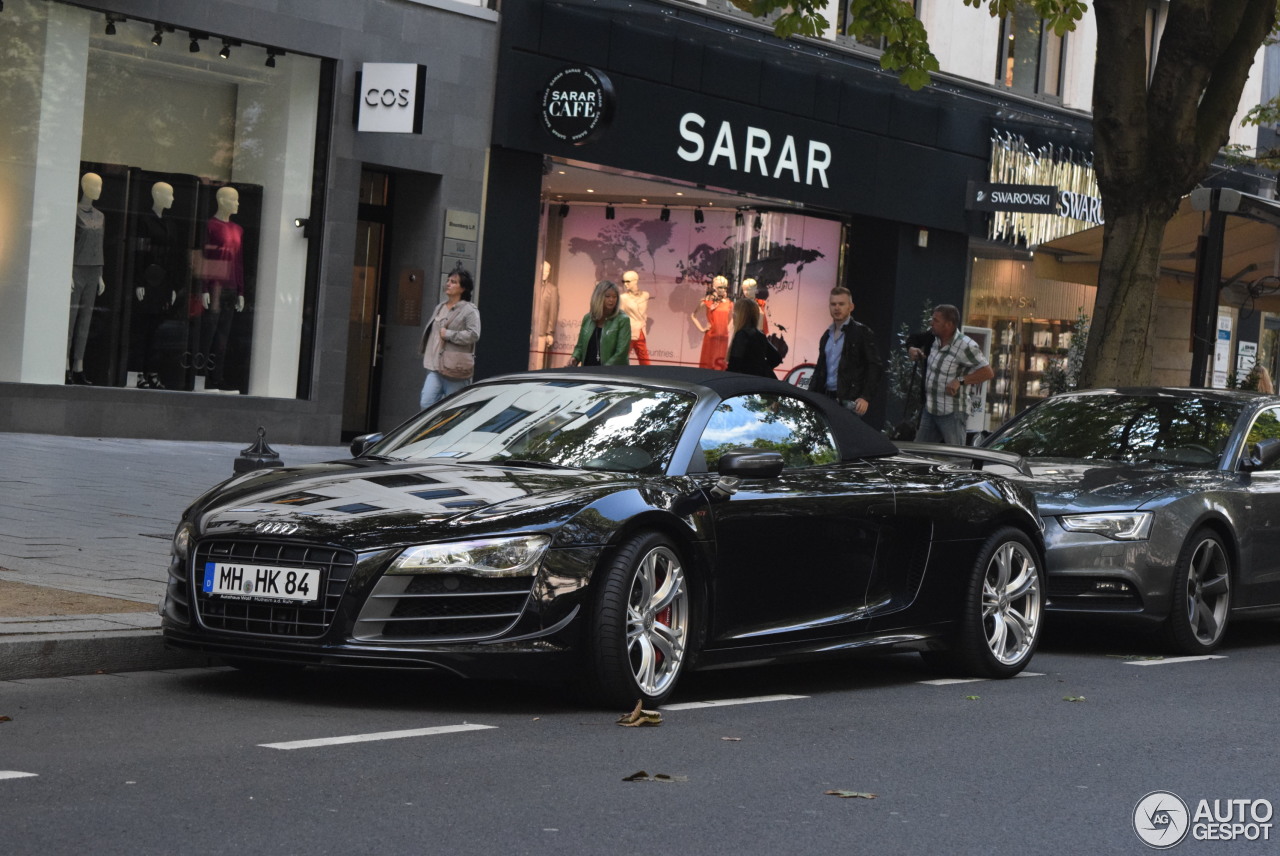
point(495, 557)
point(1128, 526)
point(182, 540)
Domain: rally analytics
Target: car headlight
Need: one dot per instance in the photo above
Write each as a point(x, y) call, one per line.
point(495, 557)
point(1129, 526)
point(182, 540)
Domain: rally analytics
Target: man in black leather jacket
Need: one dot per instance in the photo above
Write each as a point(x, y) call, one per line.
point(849, 366)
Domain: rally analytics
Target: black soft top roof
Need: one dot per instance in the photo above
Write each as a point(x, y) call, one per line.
point(854, 437)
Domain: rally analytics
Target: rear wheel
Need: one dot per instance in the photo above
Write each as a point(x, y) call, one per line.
point(1003, 607)
point(642, 624)
point(1201, 595)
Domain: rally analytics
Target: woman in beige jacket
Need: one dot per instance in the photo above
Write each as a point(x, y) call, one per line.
point(454, 327)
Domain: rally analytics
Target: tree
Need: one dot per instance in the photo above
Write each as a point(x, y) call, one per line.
point(1155, 136)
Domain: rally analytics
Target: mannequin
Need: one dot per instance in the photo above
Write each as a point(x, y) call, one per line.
point(156, 266)
point(718, 311)
point(546, 309)
point(86, 273)
point(750, 289)
point(222, 285)
point(635, 303)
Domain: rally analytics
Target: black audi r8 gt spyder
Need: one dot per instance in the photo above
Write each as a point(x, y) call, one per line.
point(613, 528)
point(1161, 506)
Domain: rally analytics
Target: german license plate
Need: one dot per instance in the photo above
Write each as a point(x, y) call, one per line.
point(262, 582)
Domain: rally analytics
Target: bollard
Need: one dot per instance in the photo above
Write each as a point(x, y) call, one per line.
point(258, 456)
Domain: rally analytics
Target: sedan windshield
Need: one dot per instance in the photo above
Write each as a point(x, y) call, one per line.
point(1132, 428)
point(576, 424)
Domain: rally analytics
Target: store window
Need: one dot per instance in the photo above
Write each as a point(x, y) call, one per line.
point(1032, 324)
point(153, 174)
point(788, 262)
point(1031, 54)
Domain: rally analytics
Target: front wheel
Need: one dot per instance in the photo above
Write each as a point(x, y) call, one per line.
point(642, 623)
point(1201, 595)
point(1003, 605)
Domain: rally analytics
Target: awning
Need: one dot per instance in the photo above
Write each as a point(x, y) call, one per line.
point(1250, 250)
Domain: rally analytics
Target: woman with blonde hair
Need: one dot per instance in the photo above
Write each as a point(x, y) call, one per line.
point(605, 336)
point(750, 351)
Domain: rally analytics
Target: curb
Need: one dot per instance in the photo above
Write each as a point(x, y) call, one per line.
point(57, 655)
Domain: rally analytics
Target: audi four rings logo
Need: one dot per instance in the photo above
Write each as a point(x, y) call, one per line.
point(275, 528)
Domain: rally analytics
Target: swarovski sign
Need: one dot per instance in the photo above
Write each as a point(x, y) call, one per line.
point(1060, 195)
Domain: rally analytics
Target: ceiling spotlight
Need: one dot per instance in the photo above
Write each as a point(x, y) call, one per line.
point(608, 212)
point(697, 215)
point(564, 209)
point(111, 24)
point(194, 47)
point(272, 53)
point(225, 53)
point(158, 37)
point(665, 214)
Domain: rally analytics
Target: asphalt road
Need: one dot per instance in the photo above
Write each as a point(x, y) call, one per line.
point(214, 761)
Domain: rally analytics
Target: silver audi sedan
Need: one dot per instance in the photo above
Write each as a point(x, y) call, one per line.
point(1161, 506)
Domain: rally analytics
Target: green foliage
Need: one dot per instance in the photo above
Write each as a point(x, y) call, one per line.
point(1063, 375)
point(906, 43)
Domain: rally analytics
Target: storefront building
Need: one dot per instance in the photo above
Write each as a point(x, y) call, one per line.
point(219, 215)
point(673, 142)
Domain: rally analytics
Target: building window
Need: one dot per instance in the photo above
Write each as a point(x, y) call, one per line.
point(1031, 55)
point(155, 175)
point(844, 20)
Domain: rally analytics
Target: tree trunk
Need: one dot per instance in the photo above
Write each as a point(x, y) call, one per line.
point(1118, 352)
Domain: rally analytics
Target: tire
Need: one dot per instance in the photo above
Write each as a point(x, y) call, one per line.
point(642, 624)
point(1003, 611)
point(1201, 602)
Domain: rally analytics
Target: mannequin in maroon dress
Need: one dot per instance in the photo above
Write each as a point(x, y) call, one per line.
point(222, 285)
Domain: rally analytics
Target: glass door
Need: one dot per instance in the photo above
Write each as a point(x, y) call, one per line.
point(365, 322)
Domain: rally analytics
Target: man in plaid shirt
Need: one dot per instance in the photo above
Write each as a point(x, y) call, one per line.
point(954, 362)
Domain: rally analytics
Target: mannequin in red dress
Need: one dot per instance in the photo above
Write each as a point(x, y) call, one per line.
point(718, 311)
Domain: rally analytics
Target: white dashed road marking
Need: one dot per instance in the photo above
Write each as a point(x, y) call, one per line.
point(726, 702)
point(381, 735)
point(15, 774)
point(943, 682)
point(1167, 660)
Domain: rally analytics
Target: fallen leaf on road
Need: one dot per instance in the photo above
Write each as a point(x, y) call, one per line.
point(972, 697)
point(5, 719)
point(848, 795)
point(640, 716)
point(642, 776)
point(1073, 698)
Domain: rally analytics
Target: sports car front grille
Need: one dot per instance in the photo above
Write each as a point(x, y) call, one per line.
point(305, 621)
point(438, 607)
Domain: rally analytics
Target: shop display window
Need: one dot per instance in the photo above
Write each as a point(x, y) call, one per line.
point(787, 261)
point(185, 170)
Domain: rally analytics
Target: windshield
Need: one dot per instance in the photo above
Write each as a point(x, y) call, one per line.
point(1131, 428)
point(575, 424)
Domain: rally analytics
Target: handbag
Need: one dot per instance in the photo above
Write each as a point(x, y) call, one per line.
point(457, 365)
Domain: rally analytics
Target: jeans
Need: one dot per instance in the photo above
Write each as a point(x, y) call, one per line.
point(437, 386)
point(947, 429)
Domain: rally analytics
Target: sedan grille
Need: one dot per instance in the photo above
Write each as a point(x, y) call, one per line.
point(305, 621)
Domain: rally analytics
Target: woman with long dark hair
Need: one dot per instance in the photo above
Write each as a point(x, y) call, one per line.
point(750, 351)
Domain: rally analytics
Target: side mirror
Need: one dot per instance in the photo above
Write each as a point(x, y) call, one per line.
point(1263, 454)
point(745, 464)
point(750, 464)
point(362, 444)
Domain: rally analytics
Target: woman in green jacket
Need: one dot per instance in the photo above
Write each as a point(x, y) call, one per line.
point(605, 337)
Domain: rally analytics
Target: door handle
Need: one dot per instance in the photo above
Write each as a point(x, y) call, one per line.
point(377, 338)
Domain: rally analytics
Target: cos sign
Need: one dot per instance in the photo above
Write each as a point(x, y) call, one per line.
point(390, 97)
point(577, 104)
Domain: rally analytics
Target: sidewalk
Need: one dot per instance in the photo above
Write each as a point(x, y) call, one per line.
point(85, 526)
